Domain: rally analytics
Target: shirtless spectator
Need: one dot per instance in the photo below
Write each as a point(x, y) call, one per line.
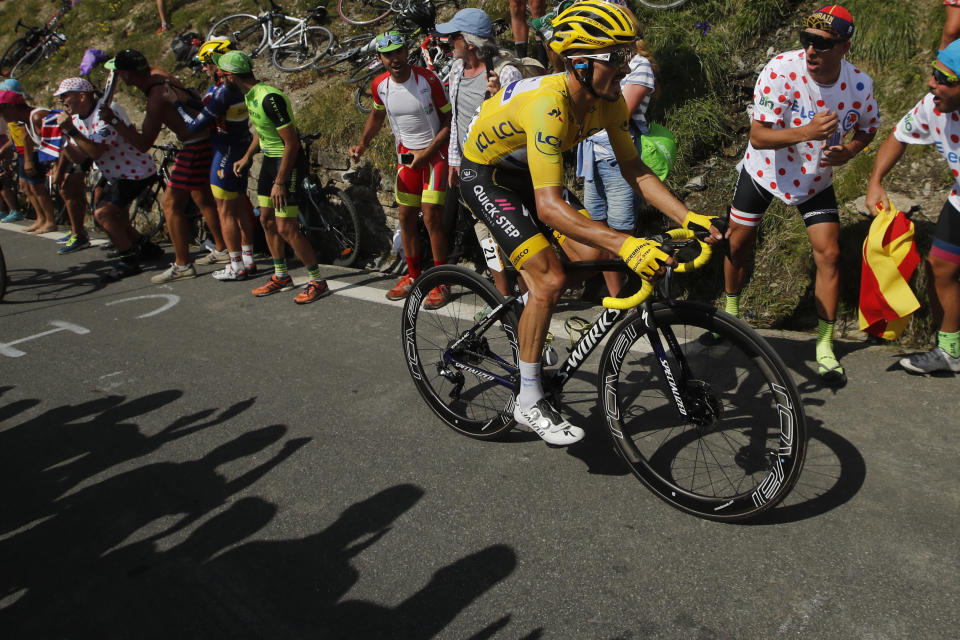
point(189, 177)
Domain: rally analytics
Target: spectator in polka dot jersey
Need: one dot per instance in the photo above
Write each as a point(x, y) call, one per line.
point(126, 170)
point(812, 111)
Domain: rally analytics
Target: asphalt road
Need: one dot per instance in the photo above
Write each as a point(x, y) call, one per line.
point(188, 461)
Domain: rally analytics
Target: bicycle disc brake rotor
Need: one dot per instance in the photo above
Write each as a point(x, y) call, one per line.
point(702, 404)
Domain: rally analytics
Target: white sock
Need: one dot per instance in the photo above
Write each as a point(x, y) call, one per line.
point(525, 297)
point(531, 390)
point(236, 261)
point(247, 254)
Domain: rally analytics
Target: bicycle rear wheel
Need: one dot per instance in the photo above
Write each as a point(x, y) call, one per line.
point(13, 53)
point(27, 62)
point(363, 11)
point(453, 361)
point(301, 49)
point(145, 214)
point(716, 428)
point(246, 32)
point(342, 242)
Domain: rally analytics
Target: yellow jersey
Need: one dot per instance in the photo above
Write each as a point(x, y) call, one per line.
point(529, 123)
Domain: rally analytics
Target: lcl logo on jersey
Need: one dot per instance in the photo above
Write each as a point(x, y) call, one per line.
point(468, 175)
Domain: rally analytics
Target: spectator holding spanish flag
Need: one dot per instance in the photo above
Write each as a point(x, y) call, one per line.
point(934, 120)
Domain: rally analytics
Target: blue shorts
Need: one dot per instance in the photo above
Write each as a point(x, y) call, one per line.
point(39, 178)
point(223, 182)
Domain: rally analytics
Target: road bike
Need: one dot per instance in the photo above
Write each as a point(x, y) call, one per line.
point(699, 406)
point(361, 12)
point(295, 44)
point(328, 216)
point(36, 44)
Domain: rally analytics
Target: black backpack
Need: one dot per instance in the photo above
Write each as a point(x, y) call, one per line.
point(185, 47)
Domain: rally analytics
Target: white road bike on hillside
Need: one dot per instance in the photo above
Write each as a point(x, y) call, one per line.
point(295, 45)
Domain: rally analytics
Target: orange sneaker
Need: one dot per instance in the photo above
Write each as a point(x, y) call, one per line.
point(438, 297)
point(400, 291)
point(273, 285)
point(314, 290)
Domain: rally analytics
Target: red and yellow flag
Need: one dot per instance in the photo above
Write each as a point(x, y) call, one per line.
point(889, 259)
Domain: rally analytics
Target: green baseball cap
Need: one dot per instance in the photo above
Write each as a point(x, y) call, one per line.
point(235, 62)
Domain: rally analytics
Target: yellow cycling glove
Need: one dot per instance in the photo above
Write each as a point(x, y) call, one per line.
point(696, 222)
point(643, 256)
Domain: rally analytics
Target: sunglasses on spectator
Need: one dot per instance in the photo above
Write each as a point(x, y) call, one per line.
point(819, 43)
point(615, 58)
point(389, 39)
point(942, 77)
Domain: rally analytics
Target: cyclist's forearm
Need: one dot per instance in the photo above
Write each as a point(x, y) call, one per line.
point(372, 126)
point(648, 185)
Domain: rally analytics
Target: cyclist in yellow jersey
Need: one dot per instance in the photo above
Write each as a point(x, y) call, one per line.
point(512, 179)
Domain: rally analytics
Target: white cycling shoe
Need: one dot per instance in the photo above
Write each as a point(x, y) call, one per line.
point(547, 423)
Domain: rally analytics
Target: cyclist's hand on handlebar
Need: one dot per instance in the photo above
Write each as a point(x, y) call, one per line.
point(715, 228)
point(645, 256)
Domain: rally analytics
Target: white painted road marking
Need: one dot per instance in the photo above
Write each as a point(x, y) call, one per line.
point(8, 350)
point(171, 300)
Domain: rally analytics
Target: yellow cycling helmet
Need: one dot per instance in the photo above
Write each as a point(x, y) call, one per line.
point(593, 24)
point(212, 49)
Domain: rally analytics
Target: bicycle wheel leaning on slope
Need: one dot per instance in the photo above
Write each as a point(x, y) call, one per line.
point(661, 4)
point(361, 12)
point(302, 48)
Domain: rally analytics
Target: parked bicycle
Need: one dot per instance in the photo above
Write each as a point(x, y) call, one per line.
point(699, 406)
point(328, 216)
point(38, 42)
point(662, 4)
point(295, 44)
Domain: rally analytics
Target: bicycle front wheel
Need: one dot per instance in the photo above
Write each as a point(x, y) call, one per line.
point(246, 31)
point(363, 11)
point(343, 51)
point(461, 368)
point(713, 426)
point(301, 49)
point(145, 214)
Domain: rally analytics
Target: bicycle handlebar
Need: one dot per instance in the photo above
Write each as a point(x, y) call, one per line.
point(684, 236)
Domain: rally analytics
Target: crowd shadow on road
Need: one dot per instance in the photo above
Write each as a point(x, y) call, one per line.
point(102, 541)
point(31, 285)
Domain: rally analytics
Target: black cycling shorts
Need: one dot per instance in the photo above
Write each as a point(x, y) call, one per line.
point(946, 236)
point(121, 192)
point(750, 201)
point(268, 174)
point(503, 199)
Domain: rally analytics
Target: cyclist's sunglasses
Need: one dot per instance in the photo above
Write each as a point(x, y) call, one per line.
point(615, 58)
point(388, 39)
point(819, 43)
point(942, 77)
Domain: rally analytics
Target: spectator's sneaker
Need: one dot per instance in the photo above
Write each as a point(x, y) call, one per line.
point(934, 360)
point(313, 292)
point(439, 297)
point(65, 239)
point(174, 273)
point(214, 257)
point(13, 216)
point(400, 291)
point(274, 284)
point(548, 423)
point(75, 243)
point(229, 274)
point(121, 270)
